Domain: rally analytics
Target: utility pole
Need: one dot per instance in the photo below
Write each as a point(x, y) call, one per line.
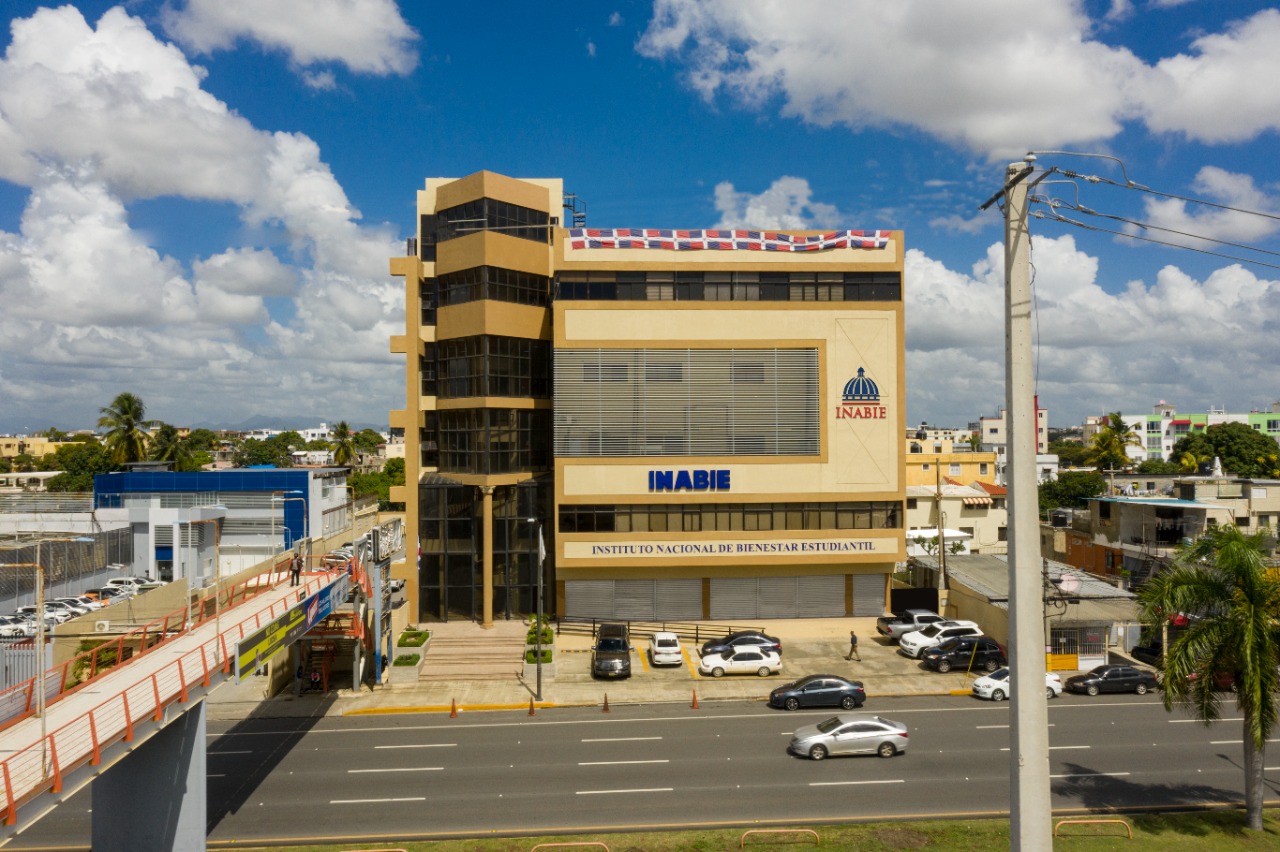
point(1030, 808)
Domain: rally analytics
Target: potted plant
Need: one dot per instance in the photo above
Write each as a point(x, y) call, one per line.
point(531, 646)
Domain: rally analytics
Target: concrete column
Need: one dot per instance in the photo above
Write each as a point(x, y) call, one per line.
point(155, 798)
point(486, 559)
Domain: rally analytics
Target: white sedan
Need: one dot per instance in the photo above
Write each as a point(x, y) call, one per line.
point(745, 661)
point(664, 649)
point(998, 685)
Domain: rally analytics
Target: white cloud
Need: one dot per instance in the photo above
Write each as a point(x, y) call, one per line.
point(1223, 187)
point(86, 292)
point(982, 74)
point(957, 224)
point(615, 19)
point(367, 36)
point(591, 49)
point(786, 205)
point(1191, 341)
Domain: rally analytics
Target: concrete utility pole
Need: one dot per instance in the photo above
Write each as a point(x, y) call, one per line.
point(1030, 808)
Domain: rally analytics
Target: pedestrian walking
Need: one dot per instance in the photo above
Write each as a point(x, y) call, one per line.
point(853, 647)
point(295, 571)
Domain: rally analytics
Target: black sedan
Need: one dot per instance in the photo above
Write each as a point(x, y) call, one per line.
point(819, 691)
point(1112, 679)
point(741, 640)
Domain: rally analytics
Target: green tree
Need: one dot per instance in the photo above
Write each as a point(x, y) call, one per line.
point(253, 452)
point(79, 462)
point(55, 434)
point(167, 445)
point(367, 441)
point(1223, 578)
point(1109, 448)
point(380, 483)
point(1071, 489)
point(343, 445)
point(126, 425)
point(1069, 453)
point(1237, 445)
point(1157, 466)
point(202, 440)
point(1189, 462)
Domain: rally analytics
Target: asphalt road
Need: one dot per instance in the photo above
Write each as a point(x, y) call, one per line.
point(565, 770)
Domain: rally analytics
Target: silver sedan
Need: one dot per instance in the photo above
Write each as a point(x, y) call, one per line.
point(850, 733)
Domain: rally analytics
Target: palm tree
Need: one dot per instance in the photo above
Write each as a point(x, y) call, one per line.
point(1189, 462)
point(126, 425)
point(167, 445)
point(1223, 578)
point(1109, 446)
point(342, 444)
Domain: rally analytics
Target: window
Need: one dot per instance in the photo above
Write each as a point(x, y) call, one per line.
point(1273, 425)
point(911, 502)
point(792, 286)
point(729, 517)
point(924, 466)
point(496, 283)
point(1002, 534)
point(490, 365)
point(953, 469)
point(489, 214)
point(1153, 426)
point(994, 430)
point(983, 468)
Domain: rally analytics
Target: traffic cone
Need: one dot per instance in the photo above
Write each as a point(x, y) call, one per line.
point(606, 703)
point(453, 710)
point(531, 713)
point(694, 705)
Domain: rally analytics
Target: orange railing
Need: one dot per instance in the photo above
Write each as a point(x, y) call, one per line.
point(41, 766)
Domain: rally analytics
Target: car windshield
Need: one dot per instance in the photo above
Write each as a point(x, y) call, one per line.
point(666, 643)
point(612, 645)
point(999, 674)
point(930, 631)
point(830, 725)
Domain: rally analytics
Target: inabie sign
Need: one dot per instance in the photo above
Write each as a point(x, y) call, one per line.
point(861, 400)
point(688, 480)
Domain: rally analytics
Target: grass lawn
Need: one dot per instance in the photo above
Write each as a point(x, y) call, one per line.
point(1206, 831)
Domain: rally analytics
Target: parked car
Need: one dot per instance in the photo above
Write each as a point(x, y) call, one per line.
point(92, 603)
point(1112, 679)
point(896, 626)
point(969, 653)
point(611, 656)
point(913, 644)
point(12, 626)
point(743, 639)
point(108, 595)
point(998, 685)
point(51, 615)
point(743, 661)
point(850, 733)
point(664, 649)
point(125, 583)
point(819, 691)
point(74, 608)
point(397, 585)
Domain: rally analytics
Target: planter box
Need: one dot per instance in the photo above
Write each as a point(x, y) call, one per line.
point(405, 675)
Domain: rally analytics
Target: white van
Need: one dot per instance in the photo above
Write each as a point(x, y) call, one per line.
point(129, 585)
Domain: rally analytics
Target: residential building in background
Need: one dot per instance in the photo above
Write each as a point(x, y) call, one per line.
point(1165, 426)
point(725, 436)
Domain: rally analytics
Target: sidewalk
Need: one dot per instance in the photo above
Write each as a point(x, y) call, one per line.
point(809, 646)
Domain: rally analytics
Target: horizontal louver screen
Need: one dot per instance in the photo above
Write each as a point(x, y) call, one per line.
point(686, 402)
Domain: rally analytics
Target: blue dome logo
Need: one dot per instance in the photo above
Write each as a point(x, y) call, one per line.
point(861, 400)
point(860, 389)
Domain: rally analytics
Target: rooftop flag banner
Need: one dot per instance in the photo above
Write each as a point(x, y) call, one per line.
point(660, 238)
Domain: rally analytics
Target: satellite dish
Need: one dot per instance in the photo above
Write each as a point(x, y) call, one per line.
point(1070, 584)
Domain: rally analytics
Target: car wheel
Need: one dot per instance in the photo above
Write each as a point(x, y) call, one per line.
point(763, 671)
point(818, 752)
point(944, 666)
point(1092, 689)
point(886, 750)
point(717, 672)
point(1048, 692)
point(997, 695)
point(1141, 689)
point(848, 703)
point(990, 666)
point(792, 704)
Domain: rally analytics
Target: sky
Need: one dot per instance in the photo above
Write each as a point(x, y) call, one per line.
point(199, 198)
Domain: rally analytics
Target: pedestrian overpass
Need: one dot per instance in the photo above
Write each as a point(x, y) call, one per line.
point(145, 720)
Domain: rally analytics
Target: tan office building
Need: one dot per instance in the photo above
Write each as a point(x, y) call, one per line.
point(724, 436)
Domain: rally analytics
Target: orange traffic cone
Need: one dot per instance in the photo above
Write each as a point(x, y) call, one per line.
point(453, 710)
point(606, 703)
point(694, 705)
point(531, 713)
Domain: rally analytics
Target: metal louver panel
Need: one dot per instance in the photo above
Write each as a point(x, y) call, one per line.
point(588, 598)
point(777, 597)
point(868, 594)
point(686, 402)
point(820, 597)
point(679, 599)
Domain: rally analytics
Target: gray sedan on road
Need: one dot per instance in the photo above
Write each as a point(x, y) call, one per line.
point(850, 733)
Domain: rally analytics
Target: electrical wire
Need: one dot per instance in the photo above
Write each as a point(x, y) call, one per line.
point(1140, 188)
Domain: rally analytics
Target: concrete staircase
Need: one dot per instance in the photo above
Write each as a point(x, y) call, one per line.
point(465, 651)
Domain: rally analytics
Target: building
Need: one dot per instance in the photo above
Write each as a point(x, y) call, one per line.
point(724, 439)
point(973, 518)
point(995, 432)
point(1165, 426)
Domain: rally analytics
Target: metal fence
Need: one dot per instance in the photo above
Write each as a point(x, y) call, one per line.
point(71, 564)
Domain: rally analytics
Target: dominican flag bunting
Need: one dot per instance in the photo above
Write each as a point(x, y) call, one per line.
point(659, 238)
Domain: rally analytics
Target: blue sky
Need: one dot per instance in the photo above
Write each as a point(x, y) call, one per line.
point(198, 198)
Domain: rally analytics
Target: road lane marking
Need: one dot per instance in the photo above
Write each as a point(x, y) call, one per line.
point(421, 745)
point(401, 769)
point(374, 801)
point(618, 762)
point(1057, 748)
point(846, 783)
point(217, 753)
point(984, 727)
point(620, 739)
point(1234, 742)
point(633, 790)
point(1198, 722)
point(1092, 775)
point(212, 775)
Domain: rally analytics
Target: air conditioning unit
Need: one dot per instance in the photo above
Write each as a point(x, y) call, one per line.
point(101, 626)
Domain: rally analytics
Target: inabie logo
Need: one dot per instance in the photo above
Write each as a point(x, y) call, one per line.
point(688, 480)
point(861, 400)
